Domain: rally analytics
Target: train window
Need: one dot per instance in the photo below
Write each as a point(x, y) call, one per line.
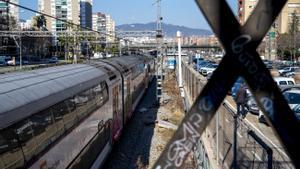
point(87, 157)
point(11, 155)
point(25, 133)
point(82, 102)
point(100, 95)
point(70, 117)
point(43, 129)
point(91, 99)
point(58, 111)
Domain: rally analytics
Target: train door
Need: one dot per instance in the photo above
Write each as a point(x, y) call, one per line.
point(117, 115)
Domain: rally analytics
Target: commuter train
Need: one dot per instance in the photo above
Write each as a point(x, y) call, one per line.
point(69, 116)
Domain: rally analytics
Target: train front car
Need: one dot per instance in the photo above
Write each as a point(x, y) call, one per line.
point(57, 117)
point(68, 116)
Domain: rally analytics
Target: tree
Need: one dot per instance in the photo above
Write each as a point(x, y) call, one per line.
point(71, 42)
point(293, 30)
point(289, 42)
point(40, 22)
point(8, 22)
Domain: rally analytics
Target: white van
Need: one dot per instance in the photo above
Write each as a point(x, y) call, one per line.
point(284, 81)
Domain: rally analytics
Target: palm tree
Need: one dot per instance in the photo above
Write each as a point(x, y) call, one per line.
point(40, 22)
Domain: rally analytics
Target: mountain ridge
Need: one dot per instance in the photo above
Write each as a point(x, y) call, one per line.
point(168, 29)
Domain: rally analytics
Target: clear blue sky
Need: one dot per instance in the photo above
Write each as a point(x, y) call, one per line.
point(179, 12)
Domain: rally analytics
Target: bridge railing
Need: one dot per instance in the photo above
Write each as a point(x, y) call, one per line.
point(216, 144)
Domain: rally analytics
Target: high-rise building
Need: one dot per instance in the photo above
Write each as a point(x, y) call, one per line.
point(8, 10)
point(104, 23)
point(68, 10)
point(285, 17)
point(110, 28)
point(281, 25)
point(86, 13)
point(283, 21)
point(99, 22)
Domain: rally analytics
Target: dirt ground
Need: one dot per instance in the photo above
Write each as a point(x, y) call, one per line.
point(150, 129)
point(172, 111)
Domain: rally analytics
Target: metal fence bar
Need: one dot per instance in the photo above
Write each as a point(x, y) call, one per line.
point(265, 146)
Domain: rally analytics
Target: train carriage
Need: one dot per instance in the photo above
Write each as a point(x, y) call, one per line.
point(67, 116)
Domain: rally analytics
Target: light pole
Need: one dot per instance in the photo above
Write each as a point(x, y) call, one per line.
point(179, 59)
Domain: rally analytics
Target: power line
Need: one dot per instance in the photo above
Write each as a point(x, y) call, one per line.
point(68, 22)
point(56, 18)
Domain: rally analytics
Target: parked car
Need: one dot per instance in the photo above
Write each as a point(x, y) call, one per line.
point(200, 64)
point(292, 73)
point(24, 62)
point(97, 56)
point(219, 55)
point(10, 62)
point(108, 55)
point(204, 66)
point(269, 66)
point(17, 62)
point(292, 96)
point(53, 59)
point(251, 105)
point(195, 63)
point(280, 81)
point(287, 69)
point(209, 69)
point(296, 109)
point(2, 63)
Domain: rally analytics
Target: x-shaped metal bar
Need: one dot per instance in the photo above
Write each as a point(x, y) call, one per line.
point(241, 59)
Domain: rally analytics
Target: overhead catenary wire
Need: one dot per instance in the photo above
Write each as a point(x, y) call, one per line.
point(62, 20)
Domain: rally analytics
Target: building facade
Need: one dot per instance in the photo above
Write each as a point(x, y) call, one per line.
point(283, 21)
point(86, 13)
point(281, 25)
point(67, 10)
point(26, 24)
point(285, 17)
point(104, 23)
point(9, 11)
point(99, 22)
point(110, 28)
